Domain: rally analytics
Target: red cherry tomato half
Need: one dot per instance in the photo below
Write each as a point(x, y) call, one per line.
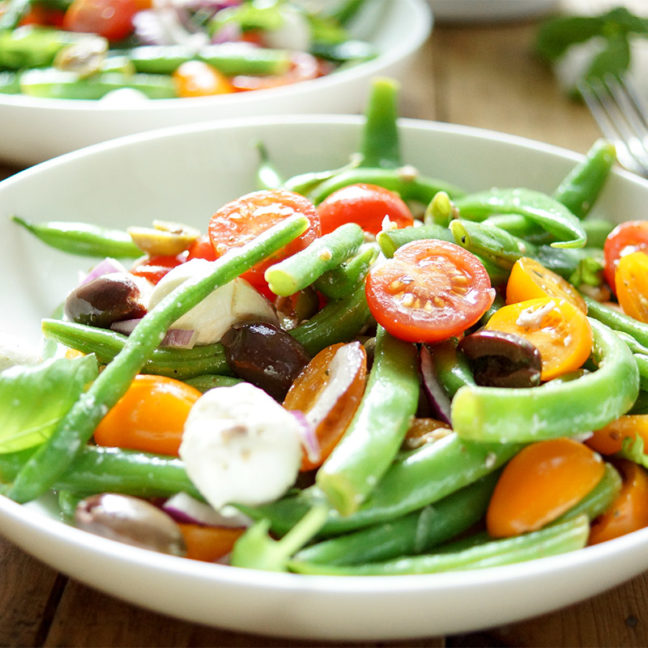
point(242, 220)
point(41, 15)
point(154, 268)
point(429, 291)
point(365, 204)
point(112, 19)
point(201, 248)
point(628, 237)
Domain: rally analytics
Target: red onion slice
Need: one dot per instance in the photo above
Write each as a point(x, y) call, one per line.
point(107, 266)
point(184, 508)
point(309, 439)
point(176, 338)
point(437, 396)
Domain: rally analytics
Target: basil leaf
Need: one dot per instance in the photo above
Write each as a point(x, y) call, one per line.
point(34, 399)
point(557, 35)
point(614, 59)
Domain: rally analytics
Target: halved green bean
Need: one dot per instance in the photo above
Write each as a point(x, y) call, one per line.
point(324, 253)
point(205, 382)
point(340, 282)
point(73, 432)
point(414, 533)
point(537, 207)
point(550, 541)
point(582, 185)
point(376, 432)
point(553, 409)
point(391, 240)
point(83, 239)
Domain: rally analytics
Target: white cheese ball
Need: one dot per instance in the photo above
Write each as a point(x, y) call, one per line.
point(241, 446)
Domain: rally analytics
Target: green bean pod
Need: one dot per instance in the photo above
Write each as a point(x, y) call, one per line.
point(617, 321)
point(340, 282)
point(390, 240)
point(267, 176)
point(414, 533)
point(550, 541)
point(451, 366)
point(552, 409)
point(376, 432)
point(83, 239)
point(205, 382)
point(76, 428)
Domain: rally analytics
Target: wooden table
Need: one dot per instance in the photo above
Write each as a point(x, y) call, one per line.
point(479, 75)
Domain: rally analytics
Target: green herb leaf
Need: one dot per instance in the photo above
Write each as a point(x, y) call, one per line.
point(34, 399)
point(614, 59)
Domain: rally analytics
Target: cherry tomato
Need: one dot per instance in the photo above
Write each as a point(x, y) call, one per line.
point(150, 416)
point(558, 329)
point(631, 281)
point(201, 248)
point(631, 236)
point(199, 79)
point(609, 439)
point(629, 511)
point(428, 291)
point(208, 544)
point(365, 204)
point(42, 15)
point(154, 268)
point(328, 391)
point(112, 19)
point(240, 221)
point(303, 67)
point(530, 279)
point(539, 484)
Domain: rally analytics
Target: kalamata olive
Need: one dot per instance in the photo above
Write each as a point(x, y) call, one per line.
point(500, 359)
point(264, 355)
point(130, 520)
point(109, 298)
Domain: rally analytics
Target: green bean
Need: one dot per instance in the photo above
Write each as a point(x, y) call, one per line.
point(390, 240)
point(415, 479)
point(537, 207)
point(552, 540)
point(305, 183)
point(353, 51)
point(617, 321)
point(451, 366)
point(344, 12)
point(380, 138)
point(376, 432)
point(340, 282)
point(582, 185)
point(324, 253)
point(97, 469)
point(31, 46)
point(68, 502)
point(205, 382)
point(552, 410)
point(267, 175)
point(106, 344)
point(440, 211)
point(51, 83)
point(76, 428)
point(83, 239)
point(642, 365)
point(338, 321)
point(641, 404)
point(9, 82)
point(414, 533)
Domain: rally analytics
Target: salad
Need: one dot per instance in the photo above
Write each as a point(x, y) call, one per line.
point(357, 371)
point(159, 49)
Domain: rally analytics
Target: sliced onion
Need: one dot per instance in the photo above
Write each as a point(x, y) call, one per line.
point(228, 33)
point(107, 266)
point(125, 326)
point(176, 338)
point(309, 439)
point(437, 396)
point(185, 508)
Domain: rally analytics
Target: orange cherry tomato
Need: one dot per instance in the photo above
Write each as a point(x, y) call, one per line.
point(428, 291)
point(365, 204)
point(112, 19)
point(154, 268)
point(316, 393)
point(303, 67)
point(630, 236)
point(150, 416)
point(609, 440)
point(558, 329)
point(530, 279)
point(629, 511)
point(631, 281)
point(240, 221)
point(199, 79)
point(209, 544)
point(539, 484)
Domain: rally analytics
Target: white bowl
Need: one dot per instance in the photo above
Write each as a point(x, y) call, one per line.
point(185, 174)
point(34, 129)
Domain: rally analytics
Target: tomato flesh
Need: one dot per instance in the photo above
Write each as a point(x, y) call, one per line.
point(428, 291)
point(628, 237)
point(242, 220)
point(365, 204)
point(112, 19)
point(156, 267)
point(198, 79)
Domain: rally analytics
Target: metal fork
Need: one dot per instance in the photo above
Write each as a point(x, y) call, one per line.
point(622, 117)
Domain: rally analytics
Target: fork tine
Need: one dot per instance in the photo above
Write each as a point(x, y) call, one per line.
point(621, 118)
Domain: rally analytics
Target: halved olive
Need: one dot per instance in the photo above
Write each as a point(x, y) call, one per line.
point(499, 359)
point(164, 238)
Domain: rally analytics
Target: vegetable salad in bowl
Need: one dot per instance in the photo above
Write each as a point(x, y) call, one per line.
point(356, 371)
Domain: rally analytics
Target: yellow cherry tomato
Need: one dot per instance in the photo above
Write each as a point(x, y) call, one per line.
point(631, 281)
point(198, 79)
